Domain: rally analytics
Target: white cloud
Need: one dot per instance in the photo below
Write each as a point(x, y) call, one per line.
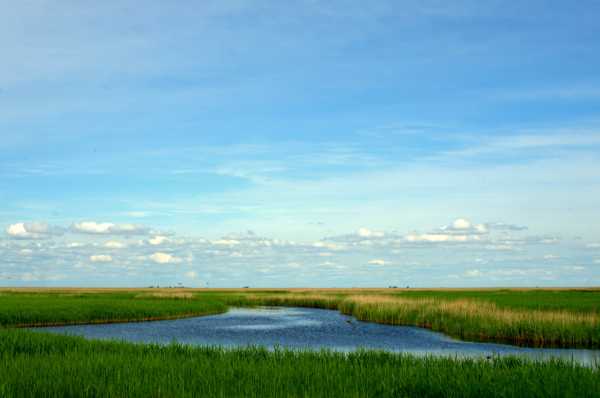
point(437, 238)
point(164, 258)
point(225, 242)
point(593, 246)
point(327, 245)
point(461, 230)
point(367, 233)
point(107, 228)
point(158, 240)
point(101, 258)
point(473, 273)
point(33, 230)
point(378, 261)
point(461, 223)
point(465, 227)
point(113, 244)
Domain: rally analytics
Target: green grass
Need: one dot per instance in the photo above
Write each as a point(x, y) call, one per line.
point(36, 309)
point(583, 301)
point(38, 364)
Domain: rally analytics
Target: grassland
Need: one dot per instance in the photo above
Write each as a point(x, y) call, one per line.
point(37, 364)
point(527, 317)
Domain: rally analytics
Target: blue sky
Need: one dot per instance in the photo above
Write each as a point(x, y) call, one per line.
point(302, 143)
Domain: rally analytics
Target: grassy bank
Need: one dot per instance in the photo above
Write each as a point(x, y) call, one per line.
point(465, 315)
point(63, 308)
point(35, 364)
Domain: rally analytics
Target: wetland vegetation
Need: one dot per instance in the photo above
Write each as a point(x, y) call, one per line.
point(33, 364)
point(37, 364)
point(534, 317)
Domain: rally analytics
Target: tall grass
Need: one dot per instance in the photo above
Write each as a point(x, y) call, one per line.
point(37, 309)
point(572, 300)
point(36, 364)
point(472, 320)
point(465, 319)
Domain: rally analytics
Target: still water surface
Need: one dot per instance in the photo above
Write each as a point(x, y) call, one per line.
point(307, 328)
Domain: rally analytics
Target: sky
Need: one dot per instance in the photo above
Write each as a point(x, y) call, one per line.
point(301, 143)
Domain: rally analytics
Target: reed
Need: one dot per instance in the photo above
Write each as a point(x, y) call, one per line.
point(465, 319)
point(38, 364)
point(43, 309)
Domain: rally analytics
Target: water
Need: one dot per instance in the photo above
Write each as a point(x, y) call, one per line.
point(308, 328)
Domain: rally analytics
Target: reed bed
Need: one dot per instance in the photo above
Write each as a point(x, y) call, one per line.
point(37, 309)
point(38, 364)
point(464, 319)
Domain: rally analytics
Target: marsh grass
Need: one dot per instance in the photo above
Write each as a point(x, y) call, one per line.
point(38, 364)
point(467, 314)
point(461, 318)
point(44, 309)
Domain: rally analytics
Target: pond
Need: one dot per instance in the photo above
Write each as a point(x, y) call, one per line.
point(308, 328)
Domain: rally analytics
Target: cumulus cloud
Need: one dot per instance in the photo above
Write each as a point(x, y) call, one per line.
point(327, 245)
point(32, 230)
point(225, 242)
point(164, 258)
point(462, 226)
point(107, 228)
point(101, 258)
point(463, 230)
point(363, 236)
point(440, 238)
point(158, 240)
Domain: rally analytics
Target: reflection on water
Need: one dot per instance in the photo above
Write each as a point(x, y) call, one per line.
point(308, 328)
